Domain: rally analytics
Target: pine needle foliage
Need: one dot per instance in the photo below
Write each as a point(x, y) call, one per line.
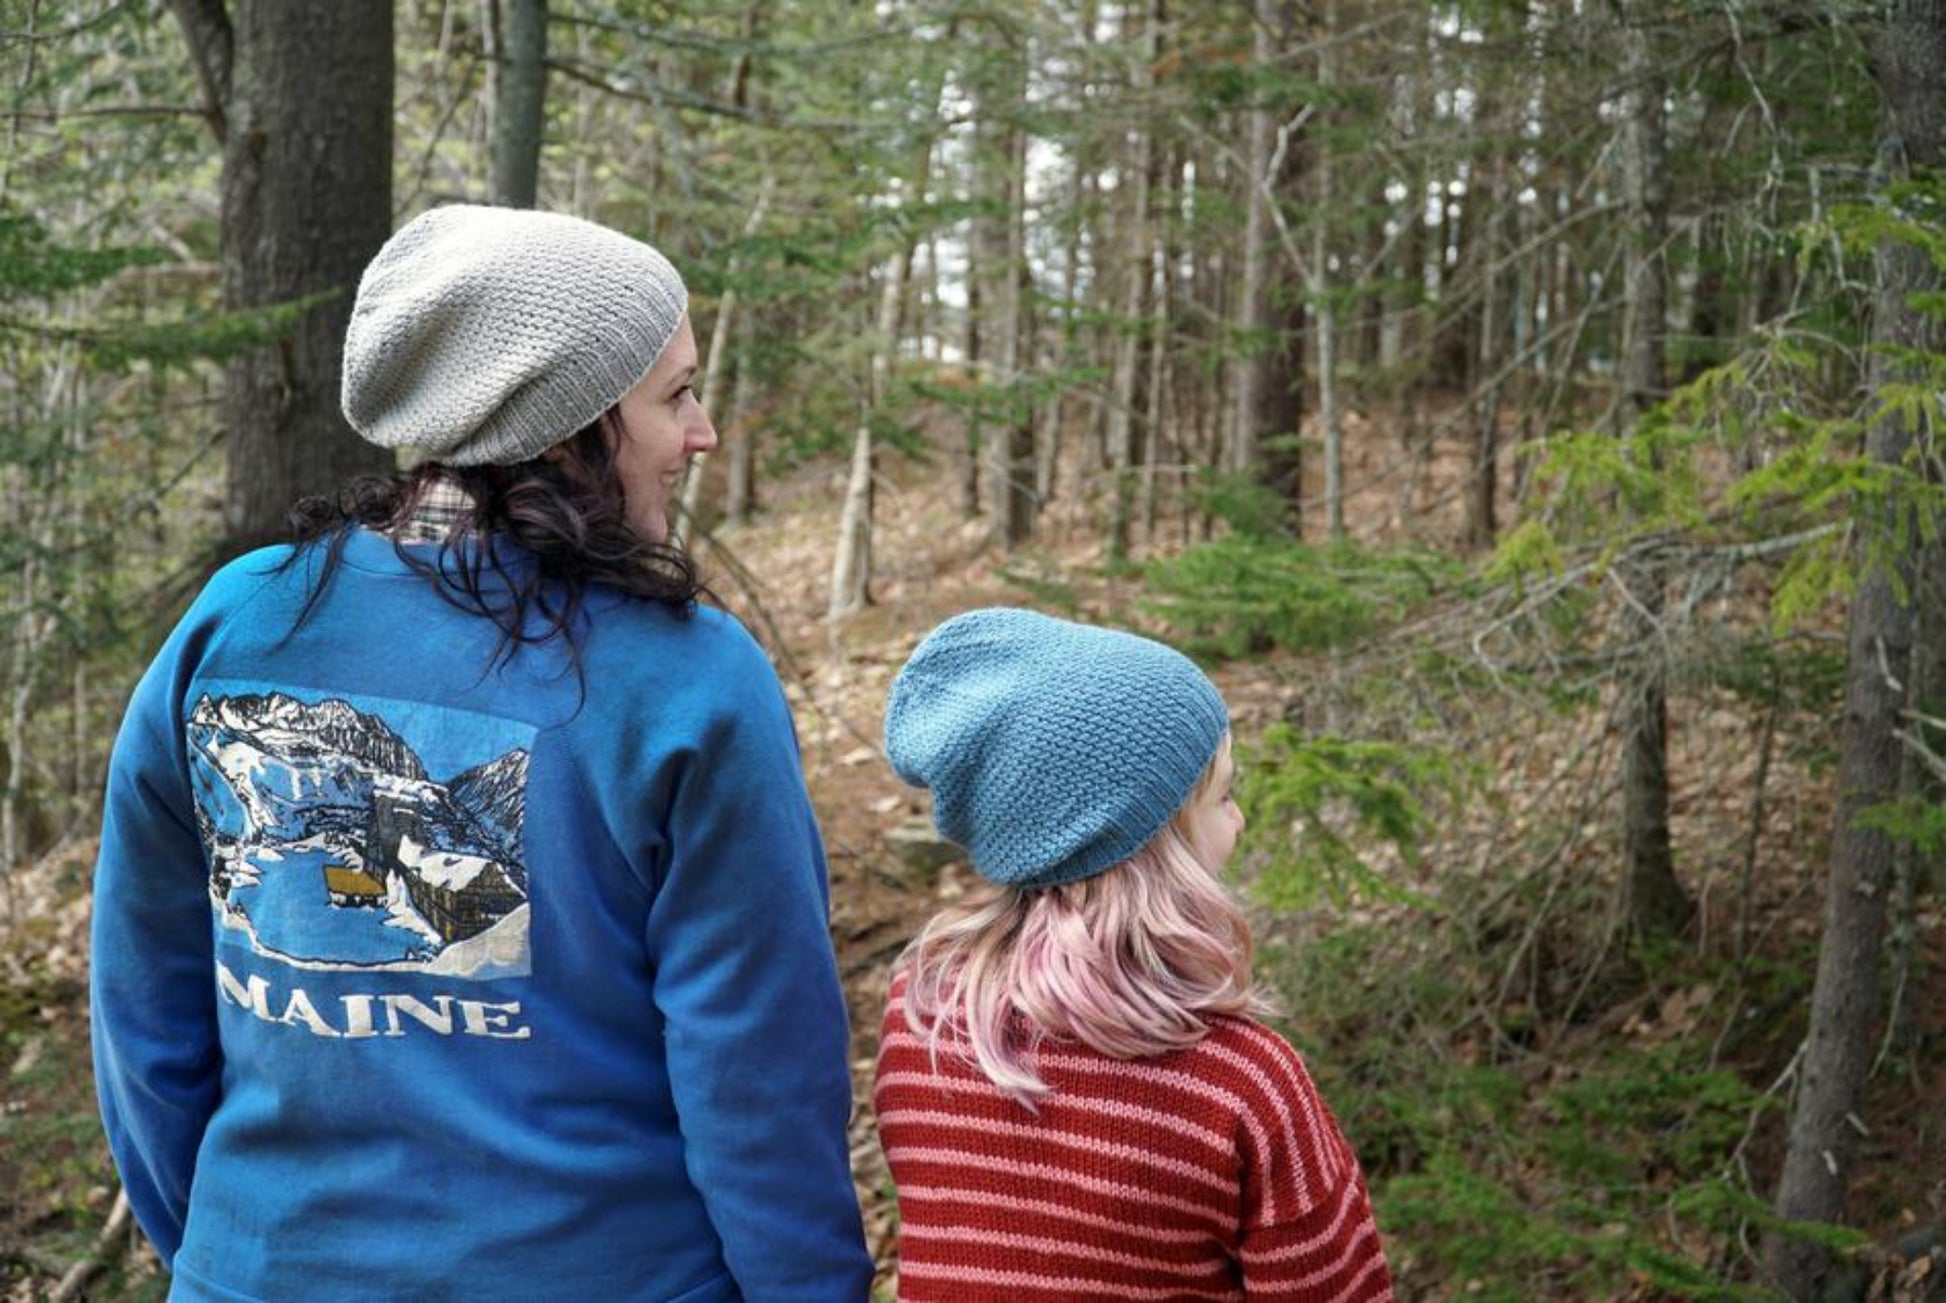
point(1512, 1164)
point(33, 265)
point(1344, 811)
point(1244, 595)
point(1761, 457)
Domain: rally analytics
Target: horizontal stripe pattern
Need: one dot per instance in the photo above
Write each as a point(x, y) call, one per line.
point(1214, 1172)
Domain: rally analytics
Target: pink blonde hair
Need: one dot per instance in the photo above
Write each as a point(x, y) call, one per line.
point(1133, 962)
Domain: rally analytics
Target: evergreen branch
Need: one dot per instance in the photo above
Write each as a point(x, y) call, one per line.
point(663, 96)
point(69, 32)
point(734, 46)
point(84, 335)
point(111, 111)
point(1709, 566)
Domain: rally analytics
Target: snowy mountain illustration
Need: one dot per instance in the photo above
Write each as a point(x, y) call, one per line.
point(331, 846)
point(495, 794)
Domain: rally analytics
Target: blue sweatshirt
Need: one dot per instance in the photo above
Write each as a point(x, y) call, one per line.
point(416, 978)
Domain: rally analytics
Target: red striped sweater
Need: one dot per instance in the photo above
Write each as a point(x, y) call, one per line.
point(1215, 1172)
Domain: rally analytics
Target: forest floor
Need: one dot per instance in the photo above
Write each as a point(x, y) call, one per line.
point(57, 1189)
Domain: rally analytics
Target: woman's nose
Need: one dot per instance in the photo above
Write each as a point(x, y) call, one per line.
point(701, 434)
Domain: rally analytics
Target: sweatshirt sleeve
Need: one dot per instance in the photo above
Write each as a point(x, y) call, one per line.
point(1308, 1232)
point(755, 1023)
point(157, 1062)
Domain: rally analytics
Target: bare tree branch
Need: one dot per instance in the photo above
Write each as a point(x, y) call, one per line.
point(212, 45)
point(108, 1245)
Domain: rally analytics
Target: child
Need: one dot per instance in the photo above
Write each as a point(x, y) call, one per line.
point(1074, 1095)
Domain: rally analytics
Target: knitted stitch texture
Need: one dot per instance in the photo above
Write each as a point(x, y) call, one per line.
point(1214, 1172)
point(485, 336)
point(1054, 750)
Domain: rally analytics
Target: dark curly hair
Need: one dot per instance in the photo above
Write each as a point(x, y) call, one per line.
point(567, 514)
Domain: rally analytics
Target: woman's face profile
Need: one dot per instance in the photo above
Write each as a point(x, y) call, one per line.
point(659, 426)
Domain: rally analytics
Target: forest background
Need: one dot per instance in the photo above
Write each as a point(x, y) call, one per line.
point(1526, 408)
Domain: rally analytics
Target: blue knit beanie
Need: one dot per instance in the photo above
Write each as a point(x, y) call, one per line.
point(1054, 750)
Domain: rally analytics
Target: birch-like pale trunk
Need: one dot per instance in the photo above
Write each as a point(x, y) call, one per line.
point(851, 564)
point(719, 350)
point(738, 92)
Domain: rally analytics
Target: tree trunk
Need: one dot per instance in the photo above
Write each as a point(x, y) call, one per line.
point(520, 94)
point(740, 488)
point(1919, 782)
point(1010, 444)
point(1281, 466)
point(1324, 310)
point(740, 499)
point(969, 482)
point(306, 109)
point(1128, 387)
point(695, 485)
point(1658, 904)
point(851, 563)
point(1909, 57)
point(1268, 391)
point(1047, 453)
point(1155, 367)
point(1253, 294)
point(1483, 387)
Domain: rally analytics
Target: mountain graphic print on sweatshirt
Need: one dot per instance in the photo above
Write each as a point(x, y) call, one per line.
point(360, 833)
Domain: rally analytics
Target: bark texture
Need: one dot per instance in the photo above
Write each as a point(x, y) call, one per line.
point(306, 103)
point(520, 96)
point(1658, 905)
point(1128, 387)
point(1909, 55)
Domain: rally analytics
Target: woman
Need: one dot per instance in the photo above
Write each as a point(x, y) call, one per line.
point(460, 918)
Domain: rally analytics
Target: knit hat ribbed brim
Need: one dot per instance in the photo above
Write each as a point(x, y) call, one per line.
point(485, 336)
point(1054, 750)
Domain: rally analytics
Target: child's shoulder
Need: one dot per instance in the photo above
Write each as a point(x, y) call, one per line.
point(1249, 1036)
point(1253, 1057)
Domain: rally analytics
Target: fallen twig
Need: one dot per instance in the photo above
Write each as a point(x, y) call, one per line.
point(109, 1245)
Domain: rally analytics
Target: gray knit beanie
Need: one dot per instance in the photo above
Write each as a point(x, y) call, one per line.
point(1054, 750)
point(485, 336)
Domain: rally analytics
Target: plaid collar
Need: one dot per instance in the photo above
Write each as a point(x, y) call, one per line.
point(441, 505)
